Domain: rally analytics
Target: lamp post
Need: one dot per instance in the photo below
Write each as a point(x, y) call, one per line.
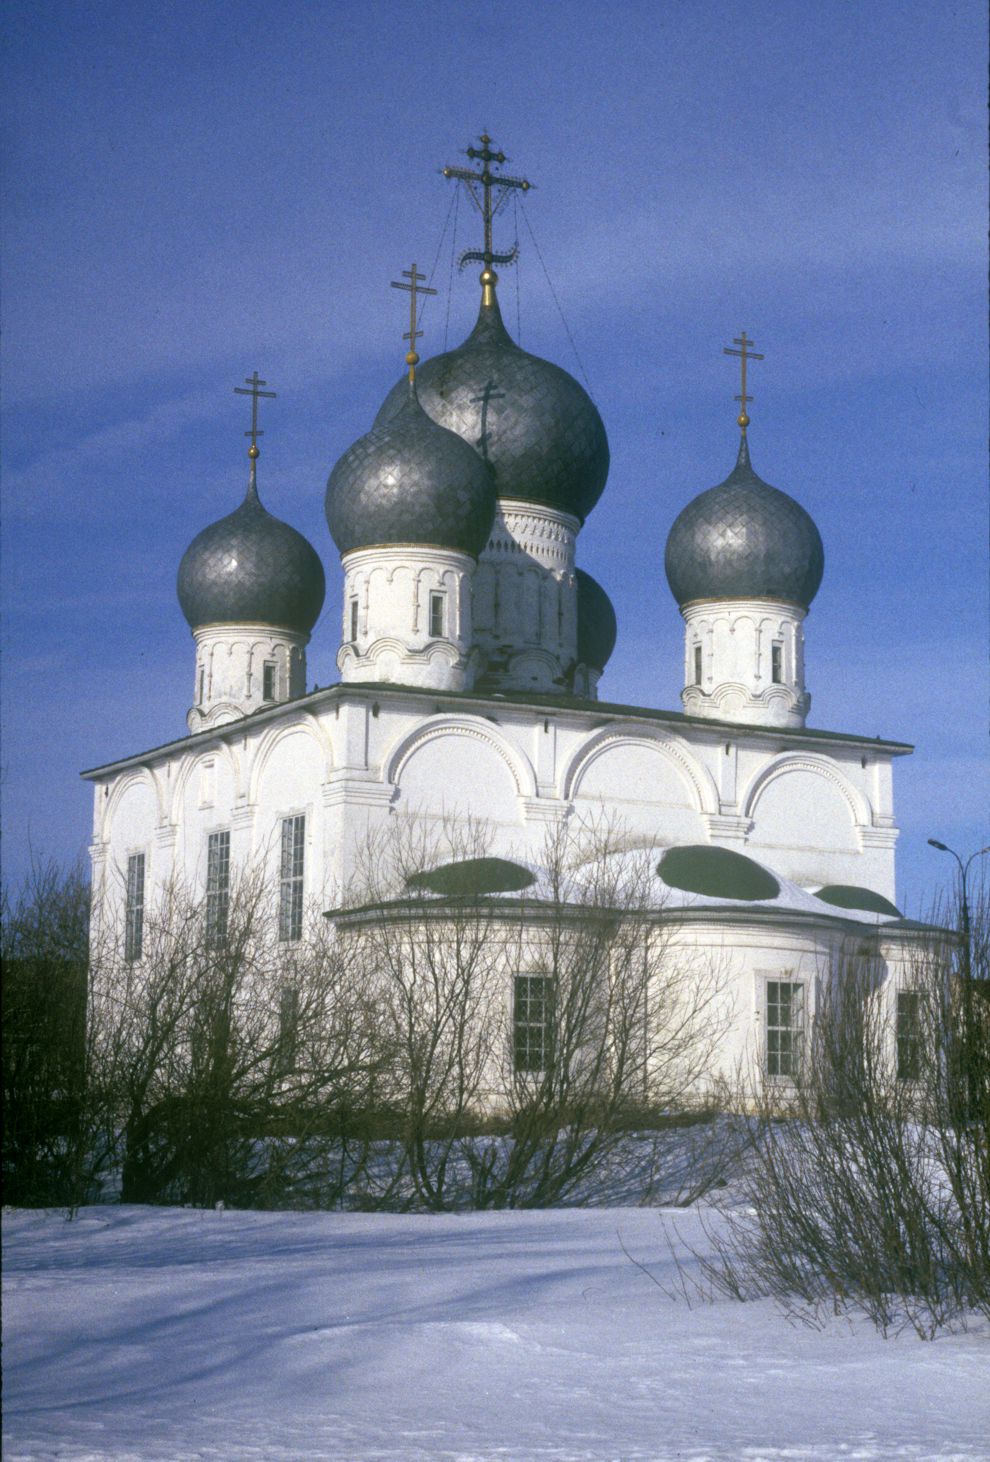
point(970, 1051)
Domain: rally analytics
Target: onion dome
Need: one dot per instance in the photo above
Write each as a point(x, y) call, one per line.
point(533, 422)
point(251, 568)
point(596, 626)
point(744, 540)
point(410, 481)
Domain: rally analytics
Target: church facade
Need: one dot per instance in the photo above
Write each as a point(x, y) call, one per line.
point(471, 654)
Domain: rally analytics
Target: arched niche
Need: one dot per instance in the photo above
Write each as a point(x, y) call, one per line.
point(650, 785)
point(133, 814)
point(290, 766)
point(805, 805)
point(460, 769)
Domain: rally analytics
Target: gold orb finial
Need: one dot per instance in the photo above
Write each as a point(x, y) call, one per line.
point(253, 451)
point(742, 420)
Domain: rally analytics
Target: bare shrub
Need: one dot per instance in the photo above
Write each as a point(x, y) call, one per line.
point(868, 1183)
point(221, 1066)
point(529, 1032)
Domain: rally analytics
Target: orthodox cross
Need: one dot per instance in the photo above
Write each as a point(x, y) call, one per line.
point(415, 289)
point(488, 395)
point(488, 180)
point(745, 354)
point(253, 389)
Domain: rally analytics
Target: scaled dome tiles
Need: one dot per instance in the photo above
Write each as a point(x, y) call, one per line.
point(596, 625)
point(410, 481)
point(744, 540)
point(251, 568)
point(533, 422)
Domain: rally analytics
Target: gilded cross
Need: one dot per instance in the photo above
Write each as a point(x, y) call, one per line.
point(745, 353)
point(415, 289)
point(253, 389)
point(488, 181)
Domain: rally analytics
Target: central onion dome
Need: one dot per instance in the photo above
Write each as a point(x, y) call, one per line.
point(596, 626)
point(251, 568)
point(533, 422)
point(744, 540)
point(410, 481)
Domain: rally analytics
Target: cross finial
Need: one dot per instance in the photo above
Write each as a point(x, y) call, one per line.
point(253, 389)
point(745, 353)
point(487, 180)
point(415, 289)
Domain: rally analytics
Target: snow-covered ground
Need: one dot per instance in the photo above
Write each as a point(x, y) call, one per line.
point(173, 1334)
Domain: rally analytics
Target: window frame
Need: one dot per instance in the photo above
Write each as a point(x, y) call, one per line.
point(292, 877)
point(269, 680)
point(134, 891)
point(438, 614)
point(907, 1042)
point(776, 662)
point(532, 1038)
point(780, 1064)
point(353, 611)
point(217, 902)
point(698, 664)
point(288, 1028)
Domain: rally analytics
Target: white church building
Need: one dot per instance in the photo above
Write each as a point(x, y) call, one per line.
point(472, 658)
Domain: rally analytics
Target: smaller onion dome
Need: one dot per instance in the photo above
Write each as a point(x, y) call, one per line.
point(251, 568)
point(596, 626)
point(534, 423)
point(411, 481)
point(744, 540)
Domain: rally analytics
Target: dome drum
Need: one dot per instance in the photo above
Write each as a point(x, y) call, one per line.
point(407, 617)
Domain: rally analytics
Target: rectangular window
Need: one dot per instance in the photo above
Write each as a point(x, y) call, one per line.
point(217, 887)
point(908, 1035)
point(134, 908)
point(354, 620)
point(697, 664)
point(288, 1028)
point(437, 630)
point(532, 1022)
point(777, 662)
point(785, 1027)
point(268, 681)
point(290, 904)
point(202, 684)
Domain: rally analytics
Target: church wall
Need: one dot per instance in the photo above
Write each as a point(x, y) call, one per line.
point(351, 761)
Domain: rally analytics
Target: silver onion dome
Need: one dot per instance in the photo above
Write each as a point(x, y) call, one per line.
point(596, 626)
point(251, 568)
point(533, 422)
point(744, 540)
point(410, 481)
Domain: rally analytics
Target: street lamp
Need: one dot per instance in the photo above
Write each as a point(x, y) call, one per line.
point(963, 871)
point(970, 1039)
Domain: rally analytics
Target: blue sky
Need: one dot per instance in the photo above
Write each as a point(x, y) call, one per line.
point(197, 190)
